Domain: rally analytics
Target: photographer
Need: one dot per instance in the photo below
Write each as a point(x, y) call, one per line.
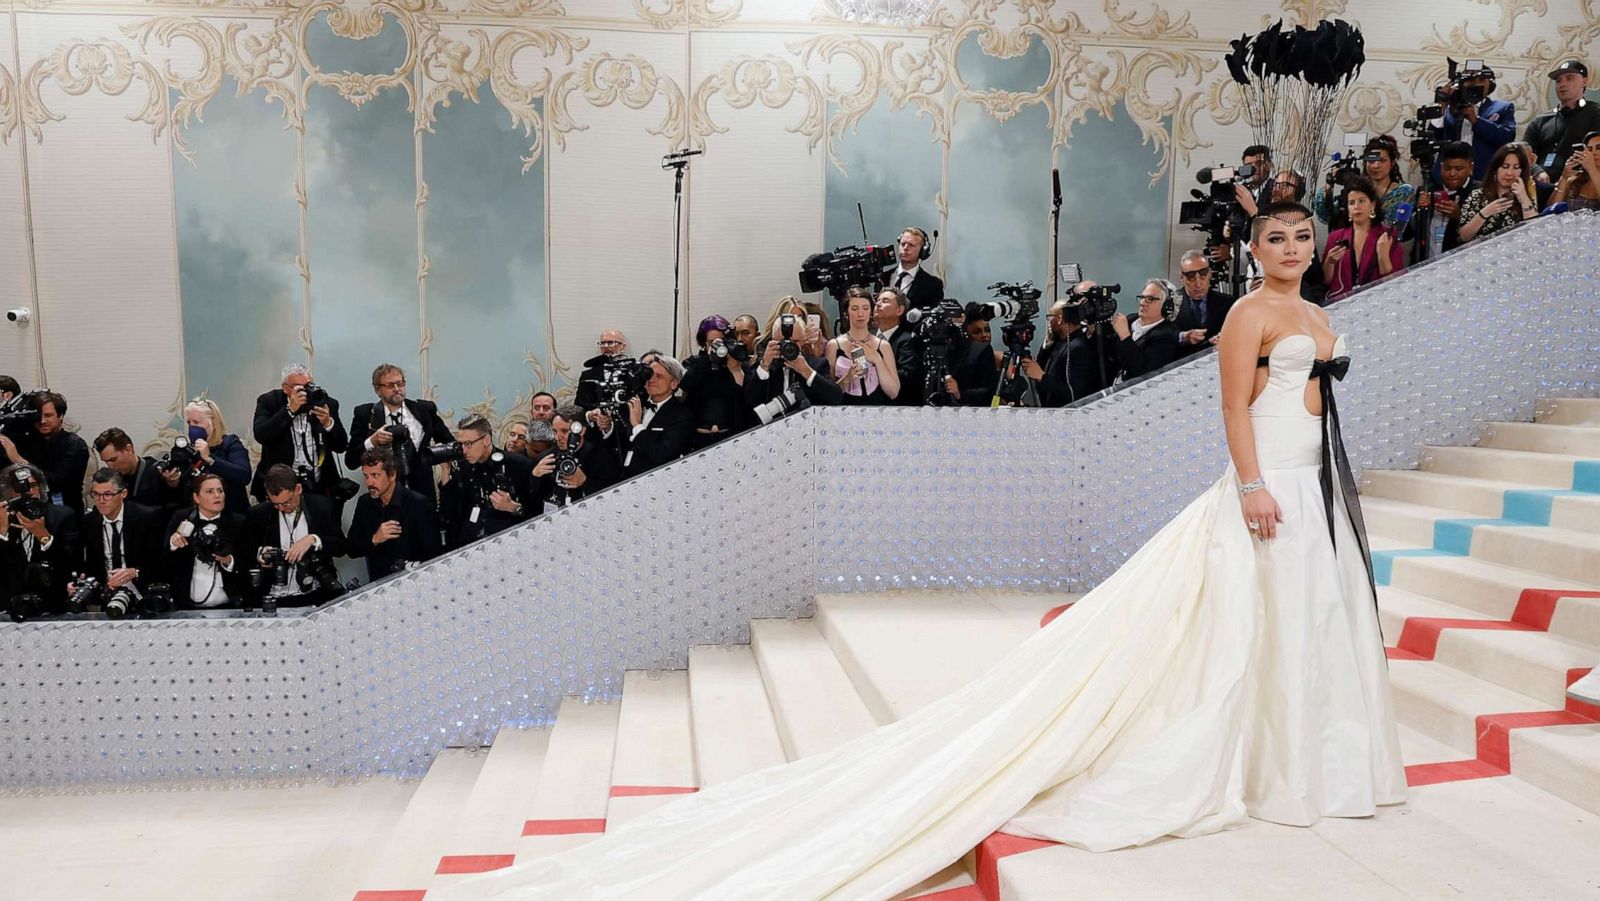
point(1444, 206)
point(486, 490)
point(1486, 125)
point(399, 424)
point(1079, 359)
point(1580, 183)
point(1366, 249)
point(220, 452)
point(1381, 166)
point(1505, 198)
point(40, 545)
point(862, 364)
point(1201, 311)
point(922, 289)
point(121, 538)
point(1553, 134)
point(1151, 341)
point(1253, 191)
point(62, 456)
point(17, 415)
point(291, 529)
point(789, 363)
point(145, 483)
point(202, 542)
point(578, 466)
point(298, 426)
point(747, 331)
point(661, 427)
point(393, 526)
point(888, 316)
point(713, 383)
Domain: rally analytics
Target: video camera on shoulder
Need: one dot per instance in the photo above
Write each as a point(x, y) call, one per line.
point(836, 271)
point(1456, 92)
point(19, 415)
point(609, 382)
point(1093, 306)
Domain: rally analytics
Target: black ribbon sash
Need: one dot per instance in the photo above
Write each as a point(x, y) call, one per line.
point(1333, 446)
point(1335, 457)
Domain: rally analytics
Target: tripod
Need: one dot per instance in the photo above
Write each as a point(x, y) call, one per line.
point(677, 162)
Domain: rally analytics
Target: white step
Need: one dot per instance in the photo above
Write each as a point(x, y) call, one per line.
point(1534, 664)
point(412, 850)
point(1410, 524)
point(1563, 759)
point(1493, 590)
point(1478, 497)
point(815, 706)
point(734, 729)
point(490, 824)
point(1569, 411)
point(1543, 437)
point(1564, 553)
point(569, 805)
point(887, 640)
point(1484, 838)
point(1527, 467)
point(654, 762)
point(1444, 703)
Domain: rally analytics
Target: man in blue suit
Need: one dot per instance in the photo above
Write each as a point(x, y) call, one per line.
point(1487, 125)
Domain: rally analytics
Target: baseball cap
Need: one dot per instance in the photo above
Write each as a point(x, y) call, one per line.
point(1571, 65)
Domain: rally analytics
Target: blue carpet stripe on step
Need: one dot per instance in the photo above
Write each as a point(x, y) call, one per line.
point(1586, 475)
point(1533, 505)
point(1383, 561)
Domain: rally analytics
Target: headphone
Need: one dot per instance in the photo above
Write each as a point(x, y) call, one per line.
point(1169, 300)
point(927, 246)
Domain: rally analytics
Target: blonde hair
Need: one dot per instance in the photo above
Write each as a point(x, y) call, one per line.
point(785, 304)
point(208, 406)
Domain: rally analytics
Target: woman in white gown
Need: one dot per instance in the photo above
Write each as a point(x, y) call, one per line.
point(1232, 668)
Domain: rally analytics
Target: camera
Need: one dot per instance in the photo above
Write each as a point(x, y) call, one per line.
point(609, 383)
point(1019, 311)
point(24, 504)
point(120, 602)
point(206, 538)
point(84, 590)
point(315, 395)
point(836, 271)
point(938, 329)
point(789, 400)
point(19, 414)
point(434, 454)
point(182, 457)
point(20, 315)
point(788, 349)
point(722, 349)
point(1094, 306)
point(1217, 212)
point(24, 606)
point(1456, 92)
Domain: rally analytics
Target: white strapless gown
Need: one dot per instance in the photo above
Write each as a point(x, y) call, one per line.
point(1211, 679)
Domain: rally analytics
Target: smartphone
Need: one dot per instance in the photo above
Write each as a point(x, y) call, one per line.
point(859, 355)
point(813, 320)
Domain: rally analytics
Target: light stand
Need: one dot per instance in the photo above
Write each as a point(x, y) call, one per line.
point(677, 162)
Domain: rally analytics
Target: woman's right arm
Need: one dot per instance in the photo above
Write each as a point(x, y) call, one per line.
point(1238, 350)
point(1471, 216)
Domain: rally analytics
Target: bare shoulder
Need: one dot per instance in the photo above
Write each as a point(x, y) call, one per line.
point(1318, 313)
point(1249, 310)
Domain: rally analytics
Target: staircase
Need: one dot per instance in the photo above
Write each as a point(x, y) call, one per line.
point(1488, 559)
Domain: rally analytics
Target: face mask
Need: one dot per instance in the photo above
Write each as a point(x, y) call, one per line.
point(197, 433)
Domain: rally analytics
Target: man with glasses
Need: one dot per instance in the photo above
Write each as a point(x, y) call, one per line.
point(298, 525)
point(487, 490)
point(1201, 311)
point(1150, 341)
point(399, 424)
point(121, 539)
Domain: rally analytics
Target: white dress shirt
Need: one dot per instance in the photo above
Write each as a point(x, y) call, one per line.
point(412, 424)
point(205, 581)
point(111, 529)
point(910, 275)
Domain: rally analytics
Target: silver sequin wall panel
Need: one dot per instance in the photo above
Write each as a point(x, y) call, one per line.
point(832, 500)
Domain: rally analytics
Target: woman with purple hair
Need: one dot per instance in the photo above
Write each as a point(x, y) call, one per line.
point(714, 383)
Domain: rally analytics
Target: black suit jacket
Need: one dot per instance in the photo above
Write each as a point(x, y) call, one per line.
point(822, 391)
point(272, 429)
point(926, 290)
point(180, 562)
point(419, 532)
point(56, 565)
point(322, 520)
point(468, 487)
point(975, 371)
point(64, 457)
point(142, 535)
point(1157, 347)
point(907, 347)
point(367, 418)
point(148, 489)
point(665, 438)
point(1217, 307)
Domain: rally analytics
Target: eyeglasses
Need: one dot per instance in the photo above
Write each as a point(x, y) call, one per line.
point(608, 343)
point(104, 495)
point(1150, 298)
point(284, 504)
point(397, 383)
point(1192, 274)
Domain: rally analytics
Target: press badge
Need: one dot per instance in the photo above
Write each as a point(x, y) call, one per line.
point(473, 518)
point(1549, 160)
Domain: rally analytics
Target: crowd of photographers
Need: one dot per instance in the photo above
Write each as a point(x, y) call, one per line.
point(201, 528)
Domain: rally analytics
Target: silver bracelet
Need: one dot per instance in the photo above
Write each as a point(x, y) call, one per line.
point(1256, 485)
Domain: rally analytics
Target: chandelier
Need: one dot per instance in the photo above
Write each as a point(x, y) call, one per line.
point(904, 13)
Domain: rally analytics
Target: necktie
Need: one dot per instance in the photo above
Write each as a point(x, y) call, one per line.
point(394, 418)
point(116, 545)
point(901, 281)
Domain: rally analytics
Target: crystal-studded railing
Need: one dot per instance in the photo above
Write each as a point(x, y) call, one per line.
point(832, 500)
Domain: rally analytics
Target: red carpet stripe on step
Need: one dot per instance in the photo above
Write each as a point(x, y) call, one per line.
point(641, 791)
point(990, 852)
point(405, 895)
point(1494, 731)
point(1592, 711)
point(1536, 606)
point(454, 864)
point(1420, 636)
point(1449, 771)
point(563, 827)
point(964, 893)
point(1051, 614)
point(1400, 654)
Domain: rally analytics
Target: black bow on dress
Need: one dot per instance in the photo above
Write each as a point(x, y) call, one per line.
point(1333, 445)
